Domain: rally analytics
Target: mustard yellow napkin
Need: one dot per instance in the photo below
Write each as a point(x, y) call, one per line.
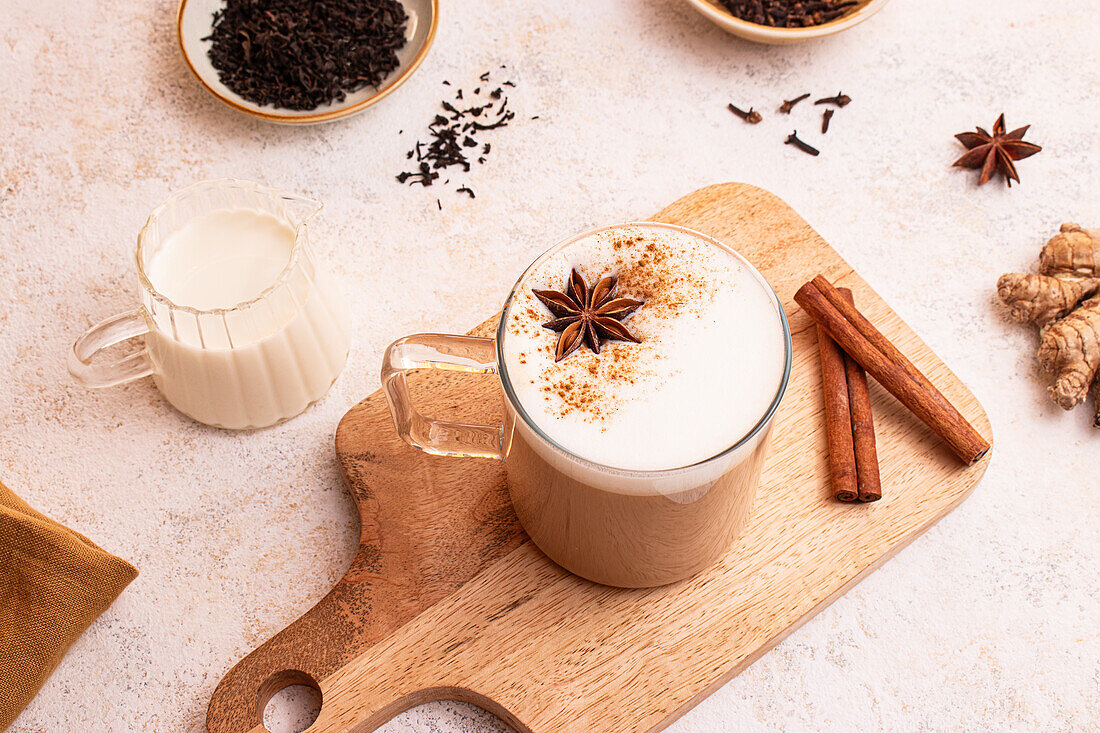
point(53, 584)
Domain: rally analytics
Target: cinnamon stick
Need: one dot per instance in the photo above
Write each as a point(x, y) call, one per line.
point(883, 361)
point(838, 419)
point(868, 480)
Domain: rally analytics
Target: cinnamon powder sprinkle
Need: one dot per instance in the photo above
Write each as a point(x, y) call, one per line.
point(649, 268)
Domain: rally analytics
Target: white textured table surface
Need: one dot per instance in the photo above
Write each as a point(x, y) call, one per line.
point(987, 622)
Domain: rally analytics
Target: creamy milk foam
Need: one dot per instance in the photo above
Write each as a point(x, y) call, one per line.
point(255, 365)
point(710, 362)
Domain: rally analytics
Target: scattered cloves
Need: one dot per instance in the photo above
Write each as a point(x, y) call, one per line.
point(792, 139)
point(840, 100)
point(751, 116)
point(789, 104)
point(825, 120)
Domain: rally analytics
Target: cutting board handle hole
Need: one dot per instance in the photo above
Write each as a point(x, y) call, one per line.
point(482, 713)
point(289, 701)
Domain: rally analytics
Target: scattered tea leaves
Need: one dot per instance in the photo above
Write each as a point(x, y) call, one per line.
point(455, 132)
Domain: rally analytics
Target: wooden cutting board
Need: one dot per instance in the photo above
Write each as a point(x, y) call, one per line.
point(446, 598)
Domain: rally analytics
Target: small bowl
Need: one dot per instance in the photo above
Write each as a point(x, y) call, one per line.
point(780, 36)
point(196, 18)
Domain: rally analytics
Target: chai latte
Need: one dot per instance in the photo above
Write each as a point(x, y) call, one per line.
point(628, 477)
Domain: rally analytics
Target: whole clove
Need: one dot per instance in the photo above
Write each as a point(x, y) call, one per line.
point(825, 120)
point(751, 116)
point(840, 100)
point(792, 139)
point(789, 104)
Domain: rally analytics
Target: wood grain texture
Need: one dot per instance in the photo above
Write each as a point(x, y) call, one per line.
point(445, 599)
point(426, 527)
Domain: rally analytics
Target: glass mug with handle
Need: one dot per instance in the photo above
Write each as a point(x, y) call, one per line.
point(243, 328)
point(633, 451)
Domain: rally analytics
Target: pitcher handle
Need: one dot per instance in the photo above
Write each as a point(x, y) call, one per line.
point(471, 354)
point(102, 335)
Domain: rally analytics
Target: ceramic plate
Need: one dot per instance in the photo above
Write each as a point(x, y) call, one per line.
point(194, 21)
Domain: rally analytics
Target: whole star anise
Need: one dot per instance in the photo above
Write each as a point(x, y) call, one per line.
point(587, 316)
point(996, 152)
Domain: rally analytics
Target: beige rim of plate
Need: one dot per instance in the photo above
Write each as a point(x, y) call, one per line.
point(768, 34)
point(290, 117)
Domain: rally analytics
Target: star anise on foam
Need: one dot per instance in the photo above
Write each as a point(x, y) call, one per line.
point(996, 152)
point(583, 315)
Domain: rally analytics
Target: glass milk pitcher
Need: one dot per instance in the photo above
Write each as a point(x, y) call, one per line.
point(239, 365)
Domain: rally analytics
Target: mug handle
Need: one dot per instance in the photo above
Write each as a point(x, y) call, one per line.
point(102, 335)
point(470, 354)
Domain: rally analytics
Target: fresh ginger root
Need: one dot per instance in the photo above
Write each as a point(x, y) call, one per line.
point(1041, 299)
point(1064, 301)
point(1071, 347)
point(1073, 252)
